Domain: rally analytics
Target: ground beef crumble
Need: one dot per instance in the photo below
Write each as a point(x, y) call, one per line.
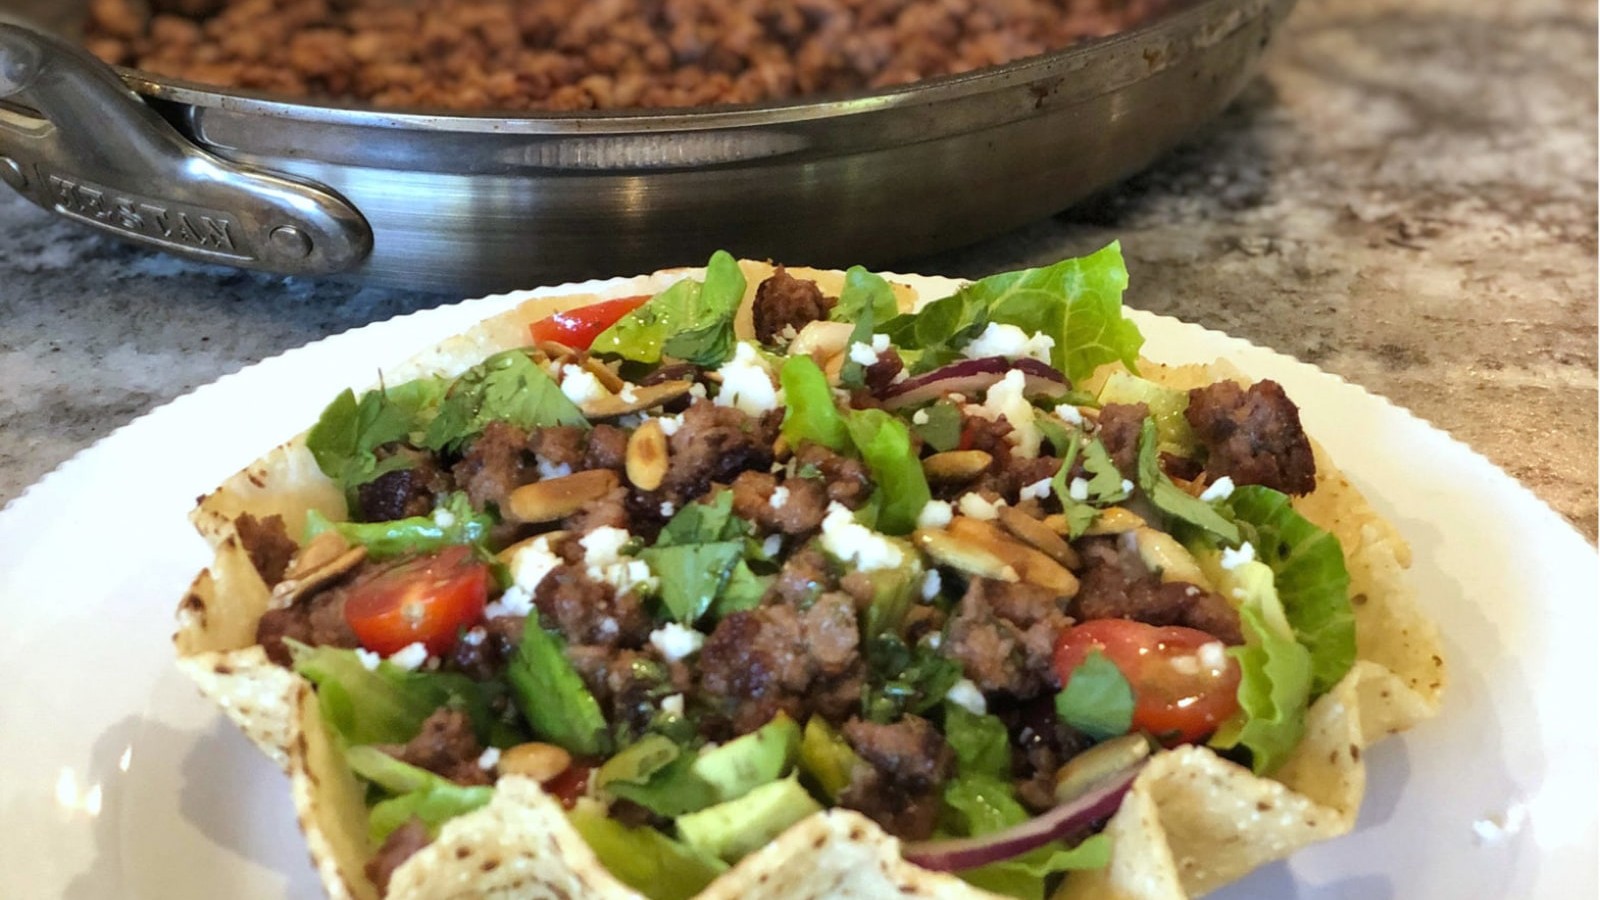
point(897, 782)
point(783, 302)
point(1252, 436)
point(1116, 585)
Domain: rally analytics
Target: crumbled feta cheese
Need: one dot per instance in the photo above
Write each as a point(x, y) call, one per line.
point(515, 601)
point(935, 514)
point(443, 518)
point(672, 705)
point(862, 354)
point(933, 640)
point(966, 695)
point(975, 506)
point(548, 469)
point(1006, 399)
point(788, 334)
point(667, 509)
point(1078, 489)
point(880, 343)
point(1221, 489)
point(676, 642)
point(580, 385)
point(1039, 490)
point(1127, 486)
point(627, 394)
point(474, 636)
point(697, 390)
point(531, 562)
point(1213, 655)
point(920, 417)
point(1233, 559)
point(1069, 414)
point(932, 584)
point(603, 545)
point(1009, 341)
point(772, 546)
point(780, 496)
point(900, 376)
point(852, 542)
point(368, 659)
point(626, 576)
point(410, 657)
point(670, 424)
point(747, 383)
point(489, 758)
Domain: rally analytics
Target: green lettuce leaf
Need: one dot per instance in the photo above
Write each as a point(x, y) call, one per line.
point(693, 576)
point(1173, 500)
point(980, 742)
point(1275, 670)
point(1103, 484)
point(810, 413)
point(1309, 572)
point(865, 294)
point(418, 534)
point(671, 789)
point(1097, 699)
point(884, 443)
point(704, 523)
point(690, 320)
point(387, 704)
point(507, 387)
point(347, 434)
point(1026, 876)
point(645, 859)
point(1077, 302)
point(942, 428)
point(551, 695)
point(413, 792)
point(977, 804)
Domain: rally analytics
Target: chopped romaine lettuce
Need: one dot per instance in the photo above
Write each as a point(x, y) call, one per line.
point(1275, 670)
point(414, 792)
point(387, 704)
point(691, 320)
point(645, 859)
point(670, 790)
point(865, 295)
point(1171, 499)
point(348, 433)
point(551, 695)
point(980, 742)
point(507, 387)
point(1309, 572)
point(1026, 876)
point(811, 414)
point(1166, 407)
point(418, 534)
point(1102, 487)
point(1097, 699)
point(884, 443)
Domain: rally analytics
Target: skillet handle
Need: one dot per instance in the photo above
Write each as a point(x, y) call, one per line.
point(97, 154)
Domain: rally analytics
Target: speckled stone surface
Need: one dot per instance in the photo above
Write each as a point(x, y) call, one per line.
point(1406, 198)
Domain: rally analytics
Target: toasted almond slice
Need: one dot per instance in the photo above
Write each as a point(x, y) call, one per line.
point(1039, 536)
point(833, 368)
point(1162, 554)
point(557, 498)
point(554, 540)
point(647, 455)
point(956, 466)
point(634, 398)
point(781, 451)
point(822, 339)
point(556, 351)
point(321, 563)
point(541, 762)
point(1030, 565)
point(1114, 520)
point(963, 554)
point(607, 378)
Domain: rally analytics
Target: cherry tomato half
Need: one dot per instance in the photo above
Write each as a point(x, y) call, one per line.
point(571, 784)
point(1179, 694)
point(427, 599)
point(577, 328)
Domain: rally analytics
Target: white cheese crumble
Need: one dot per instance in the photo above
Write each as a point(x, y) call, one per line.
point(747, 383)
point(672, 705)
point(474, 636)
point(603, 545)
point(880, 343)
point(1221, 489)
point(772, 546)
point(1127, 486)
point(920, 417)
point(605, 562)
point(697, 390)
point(626, 576)
point(410, 657)
point(935, 514)
point(977, 507)
point(862, 354)
point(670, 424)
point(444, 518)
point(1078, 489)
point(932, 583)
point(489, 758)
point(676, 642)
point(1213, 655)
point(627, 393)
point(1069, 414)
point(1010, 342)
point(667, 509)
point(966, 695)
point(1233, 559)
point(549, 470)
point(852, 542)
point(580, 385)
point(368, 659)
point(529, 565)
point(1039, 490)
point(779, 498)
point(1006, 399)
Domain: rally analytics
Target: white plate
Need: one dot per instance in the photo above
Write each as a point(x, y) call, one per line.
point(117, 780)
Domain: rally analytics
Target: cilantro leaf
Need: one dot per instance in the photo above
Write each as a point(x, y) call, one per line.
point(865, 294)
point(942, 430)
point(348, 433)
point(691, 320)
point(416, 792)
point(1097, 699)
point(552, 696)
point(1171, 499)
point(506, 387)
point(417, 534)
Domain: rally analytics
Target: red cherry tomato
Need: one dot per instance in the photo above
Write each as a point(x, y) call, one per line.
point(427, 599)
point(571, 784)
point(1177, 696)
point(577, 328)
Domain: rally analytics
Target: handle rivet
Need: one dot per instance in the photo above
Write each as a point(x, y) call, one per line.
point(291, 241)
point(11, 173)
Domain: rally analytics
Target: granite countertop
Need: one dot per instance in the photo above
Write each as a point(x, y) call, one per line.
point(1406, 198)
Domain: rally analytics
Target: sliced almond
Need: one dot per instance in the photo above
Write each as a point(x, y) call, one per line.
point(1039, 536)
point(557, 498)
point(1114, 520)
point(1030, 565)
point(781, 451)
point(822, 339)
point(325, 559)
point(964, 555)
point(1163, 555)
point(633, 398)
point(833, 368)
point(647, 455)
point(552, 539)
point(607, 378)
point(541, 762)
point(956, 466)
point(556, 351)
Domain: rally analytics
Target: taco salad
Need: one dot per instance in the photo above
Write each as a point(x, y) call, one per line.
point(754, 581)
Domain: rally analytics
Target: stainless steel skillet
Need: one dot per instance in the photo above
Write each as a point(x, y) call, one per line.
point(475, 203)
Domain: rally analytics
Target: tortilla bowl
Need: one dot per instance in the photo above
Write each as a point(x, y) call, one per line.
point(1192, 821)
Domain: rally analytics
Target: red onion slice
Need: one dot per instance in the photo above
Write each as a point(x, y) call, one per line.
point(971, 376)
point(955, 854)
